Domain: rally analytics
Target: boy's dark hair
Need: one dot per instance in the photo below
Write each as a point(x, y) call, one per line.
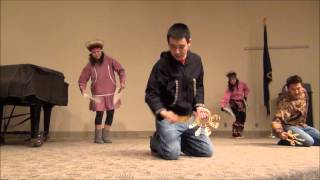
point(178, 31)
point(293, 80)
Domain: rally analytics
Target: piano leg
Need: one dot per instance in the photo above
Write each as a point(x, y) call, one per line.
point(1, 122)
point(36, 139)
point(47, 108)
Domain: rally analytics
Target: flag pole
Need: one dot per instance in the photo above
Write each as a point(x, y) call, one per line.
point(270, 120)
point(268, 116)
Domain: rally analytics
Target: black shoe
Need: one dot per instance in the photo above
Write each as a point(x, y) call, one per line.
point(236, 135)
point(36, 141)
point(284, 143)
point(45, 136)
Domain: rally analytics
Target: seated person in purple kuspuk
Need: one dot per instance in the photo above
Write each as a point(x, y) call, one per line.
point(236, 97)
point(101, 70)
point(289, 122)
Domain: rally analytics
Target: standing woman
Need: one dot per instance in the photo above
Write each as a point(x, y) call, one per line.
point(236, 96)
point(101, 70)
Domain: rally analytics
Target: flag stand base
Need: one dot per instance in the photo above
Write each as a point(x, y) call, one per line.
point(271, 135)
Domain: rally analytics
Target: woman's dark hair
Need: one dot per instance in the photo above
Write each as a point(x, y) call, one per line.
point(293, 80)
point(93, 46)
point(178, 31)
point(231, 87)
point(231, 74)
point(94, 61)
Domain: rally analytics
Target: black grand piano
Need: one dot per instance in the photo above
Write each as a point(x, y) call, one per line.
point(35, 87)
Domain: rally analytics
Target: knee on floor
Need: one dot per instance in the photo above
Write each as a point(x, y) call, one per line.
point(308, 142)
point(171, 153)
point(207, 152)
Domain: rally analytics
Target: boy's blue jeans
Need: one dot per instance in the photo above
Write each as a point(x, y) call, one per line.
point(171, 139)
point(309, 134)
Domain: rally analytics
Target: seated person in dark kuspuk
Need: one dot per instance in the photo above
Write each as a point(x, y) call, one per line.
point(175, 88)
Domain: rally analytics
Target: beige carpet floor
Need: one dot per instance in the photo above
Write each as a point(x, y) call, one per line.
point(130, 158)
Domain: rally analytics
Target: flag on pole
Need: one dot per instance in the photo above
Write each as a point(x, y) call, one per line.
point(267, 71)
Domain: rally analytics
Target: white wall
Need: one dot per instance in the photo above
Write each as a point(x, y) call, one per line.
point(53, 33)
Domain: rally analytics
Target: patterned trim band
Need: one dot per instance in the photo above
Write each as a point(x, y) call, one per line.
point(200, 105)
point(194, 87)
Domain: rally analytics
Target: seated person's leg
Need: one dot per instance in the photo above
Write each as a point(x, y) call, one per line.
point(308, 140)
point(314, 133)
point(166, 141)
point(200, 146)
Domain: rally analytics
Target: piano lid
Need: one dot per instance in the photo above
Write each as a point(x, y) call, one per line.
point(24, 80)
